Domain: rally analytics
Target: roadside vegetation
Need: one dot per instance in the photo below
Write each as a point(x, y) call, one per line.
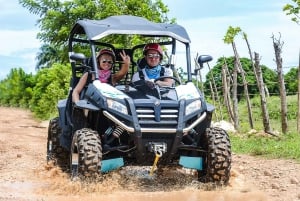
point(259, 144)
point(256, 142)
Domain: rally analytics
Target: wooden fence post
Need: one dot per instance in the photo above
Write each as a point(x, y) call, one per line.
point(277, 47)
point(261, 88)
point(234, 98)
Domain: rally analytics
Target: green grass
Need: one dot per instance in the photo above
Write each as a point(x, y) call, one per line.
point(273, 107)
point(284, 146)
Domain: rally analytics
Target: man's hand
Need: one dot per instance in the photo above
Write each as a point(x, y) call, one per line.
point(150, 84)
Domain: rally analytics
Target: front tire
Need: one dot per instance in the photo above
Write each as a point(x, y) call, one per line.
point(218, 158)
point(86, 153)
point(55, 152)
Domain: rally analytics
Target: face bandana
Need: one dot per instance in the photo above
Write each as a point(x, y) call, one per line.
point(154, 72)
point(104, 75)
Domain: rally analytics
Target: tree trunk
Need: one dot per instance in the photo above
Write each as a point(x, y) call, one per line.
point(214, 86)
point(226, 93)
point(277, 47)
point(251, 58)
point(234, 98)
point(239, 65)
point(261, 87)
point(214, 99)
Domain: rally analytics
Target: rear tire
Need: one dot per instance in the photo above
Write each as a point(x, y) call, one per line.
point(55, 152)
point(218, 158)
point(86, 153)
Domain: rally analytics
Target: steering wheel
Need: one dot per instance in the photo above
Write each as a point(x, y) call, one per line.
point(171, 77)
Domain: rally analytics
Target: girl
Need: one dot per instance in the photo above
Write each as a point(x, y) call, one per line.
point(105, 58)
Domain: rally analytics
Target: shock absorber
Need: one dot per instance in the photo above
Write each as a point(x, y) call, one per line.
point(118, 131)
point(116, 134)
point(192, 137)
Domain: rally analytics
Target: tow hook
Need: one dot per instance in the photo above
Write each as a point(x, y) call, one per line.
point(158, 149)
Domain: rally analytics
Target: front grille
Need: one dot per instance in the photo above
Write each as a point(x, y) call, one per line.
point(160, 118)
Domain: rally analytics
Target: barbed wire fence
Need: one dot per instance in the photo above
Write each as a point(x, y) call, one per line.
point(225, 90)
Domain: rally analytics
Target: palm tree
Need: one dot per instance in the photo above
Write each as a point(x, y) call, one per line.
point(47, 55)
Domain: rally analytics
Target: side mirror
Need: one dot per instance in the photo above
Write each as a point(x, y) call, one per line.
point(77, 57)
point(204, 59)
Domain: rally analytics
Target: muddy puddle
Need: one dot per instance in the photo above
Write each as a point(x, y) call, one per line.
point(128, 184)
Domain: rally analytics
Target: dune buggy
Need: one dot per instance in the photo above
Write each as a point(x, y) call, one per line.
point(132, 123)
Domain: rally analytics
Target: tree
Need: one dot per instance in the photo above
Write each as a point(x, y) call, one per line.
point(51, 85)
point(47, 56)
point(16, 88)
point(229, 39)
point(269, 76)
point(293, 10)
point(290, 84)
point(58, 17)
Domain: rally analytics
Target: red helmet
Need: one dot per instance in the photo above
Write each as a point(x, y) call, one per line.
point(106, 51)
point(153, 46)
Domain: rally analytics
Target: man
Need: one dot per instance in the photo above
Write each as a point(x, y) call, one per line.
point(153, 55)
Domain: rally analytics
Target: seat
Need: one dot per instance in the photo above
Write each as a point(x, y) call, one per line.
point(141, 63)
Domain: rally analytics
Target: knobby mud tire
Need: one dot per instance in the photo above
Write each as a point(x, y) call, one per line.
point(86, 153)
point(55, 152)
point(218, 159)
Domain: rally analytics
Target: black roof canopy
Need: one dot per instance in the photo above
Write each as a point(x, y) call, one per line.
point(126, 24)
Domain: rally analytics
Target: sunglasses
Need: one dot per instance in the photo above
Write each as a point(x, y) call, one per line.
point(107, 61)
point(155, 56)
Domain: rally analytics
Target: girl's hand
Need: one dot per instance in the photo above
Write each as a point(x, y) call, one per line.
point(125, 57)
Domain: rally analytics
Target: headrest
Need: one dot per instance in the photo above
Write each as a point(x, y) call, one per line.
point(142, 63)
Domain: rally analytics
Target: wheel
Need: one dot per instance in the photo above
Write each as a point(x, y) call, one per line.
point(218, 159)
point(86, 153)
point(55, 152)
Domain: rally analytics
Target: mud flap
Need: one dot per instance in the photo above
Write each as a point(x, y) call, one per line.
point(191, 162)
point(111, 164)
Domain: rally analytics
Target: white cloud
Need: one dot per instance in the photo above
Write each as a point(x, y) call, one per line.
point(8, 7)
point(17, 38)
point(207, 36)
point(207, 23)
point(19, 48)
point(15, 41)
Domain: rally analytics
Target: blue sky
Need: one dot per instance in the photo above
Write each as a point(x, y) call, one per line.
point(205, 21)
point(17, 38)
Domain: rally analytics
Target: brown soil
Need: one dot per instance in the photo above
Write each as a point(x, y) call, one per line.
point(26, 176)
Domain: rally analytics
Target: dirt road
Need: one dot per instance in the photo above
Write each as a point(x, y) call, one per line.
point(25, 175)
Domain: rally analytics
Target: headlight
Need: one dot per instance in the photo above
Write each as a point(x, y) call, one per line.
point(192, 107)
point(117, 106)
